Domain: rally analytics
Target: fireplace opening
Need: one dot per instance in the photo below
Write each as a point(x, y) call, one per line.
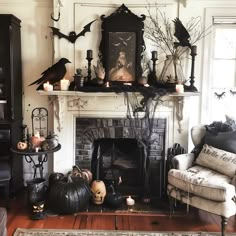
point(120, 162)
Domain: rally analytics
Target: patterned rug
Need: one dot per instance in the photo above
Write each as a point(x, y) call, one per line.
point(66, 232)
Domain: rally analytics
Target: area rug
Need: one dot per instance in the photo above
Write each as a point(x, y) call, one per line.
point(66, 232)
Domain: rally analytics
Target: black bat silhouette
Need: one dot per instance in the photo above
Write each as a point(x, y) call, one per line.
point(232, 92)
point(72, 35)
point(220, 95)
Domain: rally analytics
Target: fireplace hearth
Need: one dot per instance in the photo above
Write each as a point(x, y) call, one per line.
point(117, 152)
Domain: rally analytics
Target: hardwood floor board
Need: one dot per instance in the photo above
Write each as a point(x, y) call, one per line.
point(106, 222)
point(78, 221)
point(123, 222)
point(60, 222)
point(18, 222)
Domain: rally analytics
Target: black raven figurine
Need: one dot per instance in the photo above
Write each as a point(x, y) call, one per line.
point(53, 74)
point(181, 34)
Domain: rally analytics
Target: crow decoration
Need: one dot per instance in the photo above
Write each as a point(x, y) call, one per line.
point(72, 37)
point(53, 74)
point(181, 34)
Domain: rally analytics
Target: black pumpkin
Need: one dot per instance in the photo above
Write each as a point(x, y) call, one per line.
point(71, 196)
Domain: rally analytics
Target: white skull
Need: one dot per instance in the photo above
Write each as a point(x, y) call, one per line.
point(98, 189)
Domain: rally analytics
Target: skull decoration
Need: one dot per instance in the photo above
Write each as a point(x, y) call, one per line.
point(98, 190)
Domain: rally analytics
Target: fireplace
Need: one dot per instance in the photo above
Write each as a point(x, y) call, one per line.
point(172, 118)
point(117, 151)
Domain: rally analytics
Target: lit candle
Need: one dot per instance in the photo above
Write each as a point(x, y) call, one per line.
point(64, 84)
point(107, 84)
point(154, 55)
point(130, 201)
point(90, 54)
point(179, 88)
point(47, 87)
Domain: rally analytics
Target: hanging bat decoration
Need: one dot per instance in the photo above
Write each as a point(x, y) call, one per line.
point(72, 36)
point(232, 92)
point(181, 34)
point(219, 95)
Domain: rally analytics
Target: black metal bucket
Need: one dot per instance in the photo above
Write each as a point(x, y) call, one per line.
point(36, 190)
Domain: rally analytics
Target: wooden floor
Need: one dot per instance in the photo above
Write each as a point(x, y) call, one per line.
point(19, 216)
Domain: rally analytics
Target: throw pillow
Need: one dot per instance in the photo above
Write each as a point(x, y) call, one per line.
point(219, 160)
point(218, 126)
point(222, 140)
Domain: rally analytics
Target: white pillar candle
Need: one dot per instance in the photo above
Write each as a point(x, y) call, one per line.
point(130, 201)
point(47, 87)
point(179, 88)
point(64, 84)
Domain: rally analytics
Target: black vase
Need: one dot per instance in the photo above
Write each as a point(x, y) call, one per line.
point(36, 190)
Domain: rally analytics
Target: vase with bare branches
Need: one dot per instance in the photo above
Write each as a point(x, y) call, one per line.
point(174, 40)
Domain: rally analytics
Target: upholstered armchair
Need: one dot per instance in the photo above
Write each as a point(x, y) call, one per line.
point(206, 178)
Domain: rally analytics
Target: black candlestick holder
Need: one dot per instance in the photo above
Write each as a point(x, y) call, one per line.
point(193, 54)
point(23, 133)
point(152, 78)
point(89, 68)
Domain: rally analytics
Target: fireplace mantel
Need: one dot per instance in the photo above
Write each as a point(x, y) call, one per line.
point(75, 99)
point(69, 105)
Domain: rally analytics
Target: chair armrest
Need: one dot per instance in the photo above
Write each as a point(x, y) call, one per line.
point(233, 181)
point(183, 161)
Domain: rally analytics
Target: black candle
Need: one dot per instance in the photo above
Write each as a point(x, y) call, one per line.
point(90, 54)
point(194, 49)
point(154, 55)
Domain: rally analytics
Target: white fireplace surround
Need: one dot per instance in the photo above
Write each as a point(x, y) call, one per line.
point(67, 105)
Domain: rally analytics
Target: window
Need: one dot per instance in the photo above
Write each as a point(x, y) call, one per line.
point(220, 82)
point(223, 71)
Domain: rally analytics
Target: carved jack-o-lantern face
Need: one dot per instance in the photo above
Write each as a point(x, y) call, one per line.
point(38, 207)
point(98, 189)
point(22, 145)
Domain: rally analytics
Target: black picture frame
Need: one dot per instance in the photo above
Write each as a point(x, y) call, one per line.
point(122, 45)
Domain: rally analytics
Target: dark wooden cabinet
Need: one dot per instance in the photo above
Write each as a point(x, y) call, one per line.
point(11, 93)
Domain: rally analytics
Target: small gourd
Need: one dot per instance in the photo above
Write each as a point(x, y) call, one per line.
point(52, 141)
point(22, 145)
point(84, 173)
point(35, 140)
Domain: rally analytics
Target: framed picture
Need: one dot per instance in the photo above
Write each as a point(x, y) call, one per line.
point(122, 45)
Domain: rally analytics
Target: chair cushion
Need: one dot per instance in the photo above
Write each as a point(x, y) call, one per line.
point(202, 182)
point(218, 160)
point(5, 171)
